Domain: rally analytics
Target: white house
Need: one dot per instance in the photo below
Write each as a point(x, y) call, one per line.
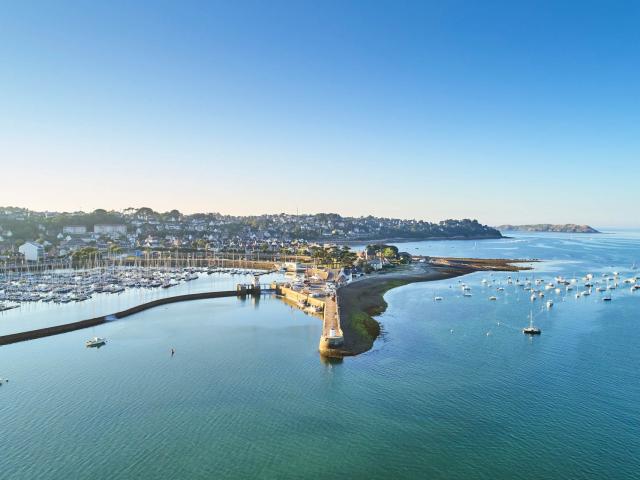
point(32, 251)
point(376, 264)
point(74, 229)
point(110, 229)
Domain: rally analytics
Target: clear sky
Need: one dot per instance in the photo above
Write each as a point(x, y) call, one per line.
point(507, 111)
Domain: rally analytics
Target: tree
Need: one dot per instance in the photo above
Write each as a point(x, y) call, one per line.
point(390, 252)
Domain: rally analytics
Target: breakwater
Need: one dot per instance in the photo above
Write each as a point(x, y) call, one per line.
point(330, 340)
point(332, 337)
point(92, 322)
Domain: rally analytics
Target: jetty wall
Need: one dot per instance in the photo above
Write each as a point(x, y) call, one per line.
point(332, 337)
point(296, 297)
point(92, 322)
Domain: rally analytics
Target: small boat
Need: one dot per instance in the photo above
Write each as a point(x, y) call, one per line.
point(531, 330)
point(466, 294)
point(606, 298)
point(492, 298)
point(549, 303)
point(95, 342)
point(437, 299)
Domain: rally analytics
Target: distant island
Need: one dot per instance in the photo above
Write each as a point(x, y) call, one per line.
point(547, 227)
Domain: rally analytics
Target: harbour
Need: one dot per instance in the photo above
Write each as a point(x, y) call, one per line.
point(433, 385)
point(319, 240)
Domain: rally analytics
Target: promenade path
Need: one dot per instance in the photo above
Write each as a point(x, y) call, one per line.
point(331, 318)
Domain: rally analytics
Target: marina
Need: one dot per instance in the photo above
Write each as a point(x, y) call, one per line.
point(64, 286)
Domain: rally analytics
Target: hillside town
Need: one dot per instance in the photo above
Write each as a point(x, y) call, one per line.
point(27, 235)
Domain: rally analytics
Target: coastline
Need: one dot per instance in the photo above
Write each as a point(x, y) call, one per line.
point(371, 241)
point(362, 300)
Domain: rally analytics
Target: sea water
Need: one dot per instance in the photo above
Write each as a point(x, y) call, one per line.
point(452, 389)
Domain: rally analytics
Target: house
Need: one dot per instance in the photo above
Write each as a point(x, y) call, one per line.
point(376, 264)
point(110, 229)
point(74, 229)
point(345, 276)
point(70, 245)
point(32, 251)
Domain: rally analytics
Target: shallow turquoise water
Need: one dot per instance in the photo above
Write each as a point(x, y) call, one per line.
point(446, 393)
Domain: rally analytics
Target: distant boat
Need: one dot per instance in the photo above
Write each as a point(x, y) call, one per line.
point(95, 342)
point(493, 298)
point(531, 330)
point(437, 299)
point(549, 303)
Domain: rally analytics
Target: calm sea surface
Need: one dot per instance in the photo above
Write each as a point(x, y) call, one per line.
point(453, 389)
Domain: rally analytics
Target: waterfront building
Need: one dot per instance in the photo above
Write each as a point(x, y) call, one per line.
point(32, 251)
point(376, 264)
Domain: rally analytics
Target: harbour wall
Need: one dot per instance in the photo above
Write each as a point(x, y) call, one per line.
point(332, 337)
point(296, 297)
point(330, 340)
point(92, 322)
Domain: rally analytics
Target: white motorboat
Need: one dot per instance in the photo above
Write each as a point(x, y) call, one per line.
point(95, 342)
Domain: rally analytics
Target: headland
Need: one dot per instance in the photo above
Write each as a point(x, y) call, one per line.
point(361, 300)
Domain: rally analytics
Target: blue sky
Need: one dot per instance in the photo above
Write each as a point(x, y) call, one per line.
point(501, 111)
